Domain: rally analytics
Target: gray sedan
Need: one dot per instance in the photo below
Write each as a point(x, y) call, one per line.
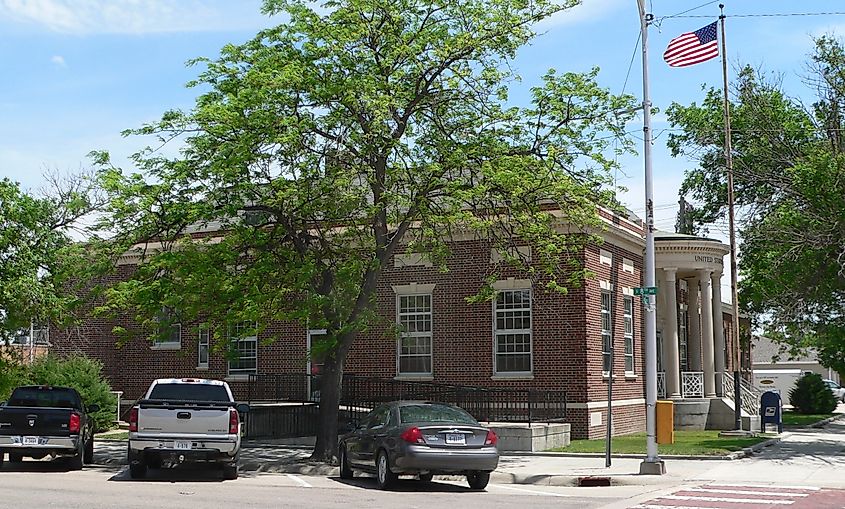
point(419, 438)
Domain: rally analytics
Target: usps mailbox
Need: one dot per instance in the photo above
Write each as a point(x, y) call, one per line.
point(770, 410)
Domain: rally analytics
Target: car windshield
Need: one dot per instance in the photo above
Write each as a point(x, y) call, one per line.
point(189, 392)
point(434, 413)
point(44, 397)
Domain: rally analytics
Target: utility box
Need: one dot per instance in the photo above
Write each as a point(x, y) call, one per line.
point(665, 422)
point(771, 411)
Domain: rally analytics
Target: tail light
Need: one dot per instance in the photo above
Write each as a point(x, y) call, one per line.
point(412, 436)
point(234, 422)
point(133, 419)
point(73, 425)
point(492, 438)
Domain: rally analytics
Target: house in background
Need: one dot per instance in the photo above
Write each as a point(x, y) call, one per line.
point(766, 355)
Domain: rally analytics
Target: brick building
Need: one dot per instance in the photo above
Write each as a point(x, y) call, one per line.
point(525, 338)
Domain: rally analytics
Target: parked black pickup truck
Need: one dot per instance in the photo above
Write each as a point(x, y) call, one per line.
point(38, 421)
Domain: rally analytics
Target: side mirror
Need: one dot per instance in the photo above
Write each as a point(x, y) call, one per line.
point(93, 409)
point(242, 408)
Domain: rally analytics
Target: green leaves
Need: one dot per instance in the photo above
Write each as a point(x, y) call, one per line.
point(789, 172)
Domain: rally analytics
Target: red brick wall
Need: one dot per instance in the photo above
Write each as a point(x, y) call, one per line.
point(566, 337)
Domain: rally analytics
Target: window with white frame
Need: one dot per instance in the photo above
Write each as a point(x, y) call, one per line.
point(683, 323)
point(203, 342)
point(243, 342)
point(606, 331)
point(415, 341)
point(628, 316)
point(512, 323)
point(169, 334)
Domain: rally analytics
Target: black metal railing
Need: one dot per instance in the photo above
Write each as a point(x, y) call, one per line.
point(360, 394)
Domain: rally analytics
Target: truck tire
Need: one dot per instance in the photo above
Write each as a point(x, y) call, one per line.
point(230, 471)
point(15, 457)
point(76, 462)
point(2, 455)
point(88, 455)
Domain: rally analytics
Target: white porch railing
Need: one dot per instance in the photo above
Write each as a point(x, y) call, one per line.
point(661, 384)
point(749, 394)
point(692, 384)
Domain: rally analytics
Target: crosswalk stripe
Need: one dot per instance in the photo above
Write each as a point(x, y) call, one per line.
point(747, 492)
point(727, 499)
point(653, 506)
point(779, 486)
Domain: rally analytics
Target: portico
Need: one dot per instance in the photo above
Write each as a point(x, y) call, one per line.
point(691, 341)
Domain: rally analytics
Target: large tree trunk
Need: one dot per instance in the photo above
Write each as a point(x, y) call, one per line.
point(325, 448)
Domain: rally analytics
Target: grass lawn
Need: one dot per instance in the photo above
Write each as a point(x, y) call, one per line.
point(699, 443)
point(796, 419)
point(114, 435)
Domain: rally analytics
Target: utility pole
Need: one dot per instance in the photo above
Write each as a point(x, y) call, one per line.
point(652, 463)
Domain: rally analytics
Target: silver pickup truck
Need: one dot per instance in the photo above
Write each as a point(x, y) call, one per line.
point(185, 420)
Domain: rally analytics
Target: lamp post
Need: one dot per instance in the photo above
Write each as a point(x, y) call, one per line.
point(652, 463)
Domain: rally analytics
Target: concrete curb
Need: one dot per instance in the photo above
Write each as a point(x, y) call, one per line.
point(825, 422)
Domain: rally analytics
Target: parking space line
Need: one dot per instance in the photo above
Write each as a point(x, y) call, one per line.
point(541, 493)
point(302, 482)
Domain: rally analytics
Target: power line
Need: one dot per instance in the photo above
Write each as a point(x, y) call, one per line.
point(772, 15)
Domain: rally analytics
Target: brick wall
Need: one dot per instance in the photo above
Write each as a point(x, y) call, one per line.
point(566, 337)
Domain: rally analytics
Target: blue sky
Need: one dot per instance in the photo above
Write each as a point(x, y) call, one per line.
point(77, 72)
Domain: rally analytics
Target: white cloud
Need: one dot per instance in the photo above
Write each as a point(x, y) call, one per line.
point(134, 16)
point(587, 11)
point(58, 60)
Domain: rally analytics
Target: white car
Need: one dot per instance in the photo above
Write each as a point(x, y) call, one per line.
point(837, 390)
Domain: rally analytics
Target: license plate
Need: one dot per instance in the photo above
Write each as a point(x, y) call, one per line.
point(182, 445)
point(30, 440)
point(455, 438)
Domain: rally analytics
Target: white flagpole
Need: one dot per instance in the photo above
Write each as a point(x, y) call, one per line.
point(652, 463)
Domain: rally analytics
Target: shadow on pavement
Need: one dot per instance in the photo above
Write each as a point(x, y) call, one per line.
point(182, 473)
point(406, 485)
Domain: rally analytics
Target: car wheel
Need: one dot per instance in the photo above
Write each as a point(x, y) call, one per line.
point(230, 471)
point(137, 470)
point(88, 456)
point(15, 458)
point(426, 477)
point(478, 480)
point(345, 470)
point(385, 478)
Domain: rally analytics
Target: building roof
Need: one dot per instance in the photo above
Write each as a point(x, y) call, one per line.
point(765, 349)
point(663, 235)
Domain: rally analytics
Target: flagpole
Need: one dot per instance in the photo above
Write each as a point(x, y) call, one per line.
point(730, 172)
point(652, 463)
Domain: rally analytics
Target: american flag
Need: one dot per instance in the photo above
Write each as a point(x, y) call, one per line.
point(692, 47)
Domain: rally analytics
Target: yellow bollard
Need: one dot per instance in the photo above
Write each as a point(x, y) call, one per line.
point(665, 422)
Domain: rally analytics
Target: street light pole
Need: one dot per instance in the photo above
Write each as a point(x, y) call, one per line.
point(652, 463)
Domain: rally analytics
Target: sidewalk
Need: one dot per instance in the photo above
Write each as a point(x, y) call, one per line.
point(814, 455)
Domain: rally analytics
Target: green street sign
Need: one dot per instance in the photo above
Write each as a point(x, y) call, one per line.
point(645, 290)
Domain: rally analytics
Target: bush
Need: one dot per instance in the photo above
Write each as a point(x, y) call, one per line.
point(812, 396)
point(12, 374)
point(84, 375)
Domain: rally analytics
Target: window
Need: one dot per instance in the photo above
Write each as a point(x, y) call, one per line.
point(243, 344)
point(169, 333)
point(629, 333)
point(683, 323)
point(415, 348)
point(202, 346)
point(606, 331)
point(512, 322)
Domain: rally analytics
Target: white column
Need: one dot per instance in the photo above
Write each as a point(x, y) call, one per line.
point(707, 335)
point(694, 328)
point(718, 330)
point(670, 338)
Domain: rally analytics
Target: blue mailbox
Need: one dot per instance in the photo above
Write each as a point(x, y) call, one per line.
point(770, 410)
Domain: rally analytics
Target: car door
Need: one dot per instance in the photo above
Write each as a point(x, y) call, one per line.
point(375, 432)
point(353, 442)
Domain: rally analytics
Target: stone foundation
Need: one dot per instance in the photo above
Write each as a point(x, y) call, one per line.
point(534, 438)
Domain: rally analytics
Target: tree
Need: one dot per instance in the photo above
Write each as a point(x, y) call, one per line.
point(812, 396)
point(789, 172)
point(328, 144)
point(37, 253)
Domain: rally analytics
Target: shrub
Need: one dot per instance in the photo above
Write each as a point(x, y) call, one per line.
point(12, 374)
point(812, 396)
point(84, 375)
